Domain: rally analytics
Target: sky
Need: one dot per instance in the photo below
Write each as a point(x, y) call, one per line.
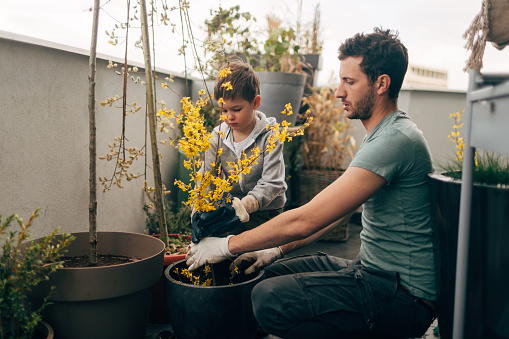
point(432, 30)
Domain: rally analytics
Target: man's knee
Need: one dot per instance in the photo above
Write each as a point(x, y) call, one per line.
point(264, 303)
point(278, 304)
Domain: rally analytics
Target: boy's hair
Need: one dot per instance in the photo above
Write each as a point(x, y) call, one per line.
point(244, 80)
point(382, 53)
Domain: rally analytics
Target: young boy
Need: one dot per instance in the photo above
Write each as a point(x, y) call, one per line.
point(262, 190)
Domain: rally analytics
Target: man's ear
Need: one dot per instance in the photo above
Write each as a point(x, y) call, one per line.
point(256, 102)
point(382, 84)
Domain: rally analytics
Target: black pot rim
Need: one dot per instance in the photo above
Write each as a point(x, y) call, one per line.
point(441, 176)
point(170, 278)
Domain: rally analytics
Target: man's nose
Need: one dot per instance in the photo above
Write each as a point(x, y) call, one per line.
point(340, 92)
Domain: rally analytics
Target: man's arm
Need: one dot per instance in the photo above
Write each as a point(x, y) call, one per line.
point(294, 228)
point(301, 226)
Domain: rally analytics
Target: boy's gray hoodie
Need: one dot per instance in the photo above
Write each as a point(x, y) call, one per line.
point(266, 179)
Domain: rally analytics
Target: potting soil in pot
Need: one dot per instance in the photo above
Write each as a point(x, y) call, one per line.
point(207, 311)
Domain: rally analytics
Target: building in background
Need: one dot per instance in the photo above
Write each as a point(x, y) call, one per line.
point(425, 77)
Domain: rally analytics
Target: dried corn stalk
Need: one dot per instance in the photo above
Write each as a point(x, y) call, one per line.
point(327, 140)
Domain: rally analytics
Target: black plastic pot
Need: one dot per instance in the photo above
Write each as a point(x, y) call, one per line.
point(205, 312)
point(487, 298)
point(104, 302)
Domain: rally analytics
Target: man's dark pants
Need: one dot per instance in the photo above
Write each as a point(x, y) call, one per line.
point(319, 296)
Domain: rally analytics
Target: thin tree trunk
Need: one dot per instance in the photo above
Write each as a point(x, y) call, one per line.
point(153, 124)
point(92, 207)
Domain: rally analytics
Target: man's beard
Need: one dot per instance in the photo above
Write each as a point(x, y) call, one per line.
point(364, 106)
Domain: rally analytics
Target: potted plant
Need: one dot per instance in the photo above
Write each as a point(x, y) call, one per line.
point(23, 265)
point(275, 58)
point(488, 220)
point(210, 309)
point(200, 311)
point(280, 69)
point(228, 34)
point(94, 299)
point(326, 144)
point(308, 38)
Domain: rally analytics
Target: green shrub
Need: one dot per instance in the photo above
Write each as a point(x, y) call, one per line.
point(178, 222)
point(23, 265)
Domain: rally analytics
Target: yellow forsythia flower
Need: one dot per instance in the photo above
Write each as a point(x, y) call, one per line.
point(228, 86)
point(225, 72)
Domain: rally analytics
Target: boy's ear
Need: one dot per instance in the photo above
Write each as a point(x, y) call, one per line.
point(256, 102)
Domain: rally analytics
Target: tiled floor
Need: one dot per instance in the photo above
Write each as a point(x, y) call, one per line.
point(347, 249)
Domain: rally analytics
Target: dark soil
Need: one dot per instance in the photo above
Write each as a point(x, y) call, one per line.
point(221, 272)
point(102, 260)
point(178, 243)
point(39, 335)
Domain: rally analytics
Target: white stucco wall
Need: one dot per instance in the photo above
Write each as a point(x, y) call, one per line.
point(430, 110)
point(44, 137)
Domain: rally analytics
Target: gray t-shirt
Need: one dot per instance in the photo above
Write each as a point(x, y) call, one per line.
point(398, 233)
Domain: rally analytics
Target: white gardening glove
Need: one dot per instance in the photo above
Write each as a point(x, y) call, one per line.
point(209, 250)
point(257, 259)
point(240, 210)
point(250, 203)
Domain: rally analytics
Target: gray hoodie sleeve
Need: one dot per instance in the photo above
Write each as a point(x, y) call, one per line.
point(210, 154)
point(265, 180)
point(269, 190)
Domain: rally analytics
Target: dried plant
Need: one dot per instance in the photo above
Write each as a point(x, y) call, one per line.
point(308, 34)
point(327, 140)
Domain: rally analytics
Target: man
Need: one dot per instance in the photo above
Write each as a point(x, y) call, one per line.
point(389, 291)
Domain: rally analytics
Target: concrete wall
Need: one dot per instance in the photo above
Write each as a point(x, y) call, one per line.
point(44, 137)
point(430, 110)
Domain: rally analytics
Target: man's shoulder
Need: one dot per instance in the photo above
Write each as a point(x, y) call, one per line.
point(397, 127)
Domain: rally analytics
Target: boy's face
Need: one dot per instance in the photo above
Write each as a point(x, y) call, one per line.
point(240, 114)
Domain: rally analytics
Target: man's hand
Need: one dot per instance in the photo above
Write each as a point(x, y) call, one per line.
point(257, 260)
point(208, 251)
point(223, 219)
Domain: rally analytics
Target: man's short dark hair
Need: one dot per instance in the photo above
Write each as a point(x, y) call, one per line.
point(382, 53)
point(244, 80)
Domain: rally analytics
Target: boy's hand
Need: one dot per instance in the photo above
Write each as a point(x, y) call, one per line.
point(224, 218)
point(250, 203)
point(240, 210)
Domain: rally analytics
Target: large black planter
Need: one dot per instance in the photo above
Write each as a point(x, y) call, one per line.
point(104, 302)
point(487, 301)
point(205, 312)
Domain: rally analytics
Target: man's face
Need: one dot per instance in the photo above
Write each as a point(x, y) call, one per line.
point(355, 90)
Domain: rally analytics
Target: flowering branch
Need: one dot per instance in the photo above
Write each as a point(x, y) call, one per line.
point(206, 189)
